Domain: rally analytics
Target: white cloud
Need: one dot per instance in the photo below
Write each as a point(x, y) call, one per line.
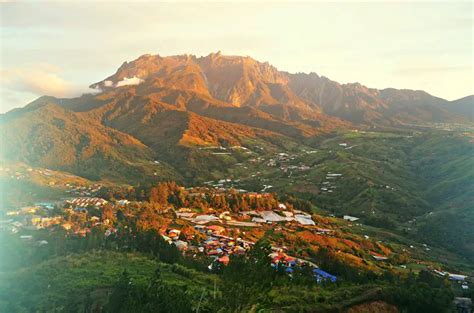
point(128, 81)
point(22, 84)
point(108, 83)
point(40, 79)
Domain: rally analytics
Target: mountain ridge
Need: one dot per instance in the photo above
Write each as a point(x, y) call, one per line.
point(163, 105)
point(243, 81)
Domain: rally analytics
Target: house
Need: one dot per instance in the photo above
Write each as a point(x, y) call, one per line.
point(29, 210)
point(167, 239)
point(181, 245)
point(282, 258)
point(225, 216)
point(46, 205)
point(270, 216)
point(457, 277)
point(379, 258)
point(204, 219)
point(324, 231)
point(282, 206)
point(454, 277)
point(123, 202)
point(350, 218)
point(185, 214)
point(250, 213)
point(322, 275)
point(216, 229)
point(304, 219)
point(174, 233)
point(242, 224)
point(87, 201)
point(224, 259)
point(200, 228)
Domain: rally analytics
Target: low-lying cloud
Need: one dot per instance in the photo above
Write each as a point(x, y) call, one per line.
point(40, 80)
point(128, 81)
point(28, 82)
point(108, 83)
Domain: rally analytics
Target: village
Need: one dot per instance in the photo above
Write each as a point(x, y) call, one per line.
point(215, 234)
point(211, 232)
point(261, 165)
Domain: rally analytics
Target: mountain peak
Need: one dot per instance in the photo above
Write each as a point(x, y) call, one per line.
point(241, 81)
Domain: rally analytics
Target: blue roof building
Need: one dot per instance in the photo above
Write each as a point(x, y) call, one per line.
point(322, 275)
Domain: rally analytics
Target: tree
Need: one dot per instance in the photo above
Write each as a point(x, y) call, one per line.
point(424, 293)
point(164, 298)
point(108, 213)
point(154, 195)
point(118, 300)
point(247, 278)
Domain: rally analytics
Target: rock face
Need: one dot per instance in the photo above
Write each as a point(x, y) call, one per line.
point(244, 82)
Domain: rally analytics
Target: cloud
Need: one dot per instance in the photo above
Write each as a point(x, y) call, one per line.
point(42, 79)
point(39, 79)
point(108, 83)
point(128, 81)
point(22, 84)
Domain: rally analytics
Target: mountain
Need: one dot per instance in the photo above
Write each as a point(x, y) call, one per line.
point(46, 134)
point(231, 88)
point(463, 106)
point(360, 104)
point(165, 108)
point(237, 82)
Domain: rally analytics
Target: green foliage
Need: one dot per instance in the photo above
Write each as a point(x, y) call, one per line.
point(158, 296)
point(425, 293)
point(452, 229)
point(247, 279)
point(105, 281)
point(67, 282)
point(381, 222)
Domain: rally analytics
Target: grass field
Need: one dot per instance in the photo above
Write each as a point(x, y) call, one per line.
point(74, 279)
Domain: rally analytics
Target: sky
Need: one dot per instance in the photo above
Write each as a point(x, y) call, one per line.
point(60, 48)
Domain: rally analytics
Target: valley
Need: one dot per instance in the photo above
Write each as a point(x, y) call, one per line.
point(187, 177)
point(384, 178)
